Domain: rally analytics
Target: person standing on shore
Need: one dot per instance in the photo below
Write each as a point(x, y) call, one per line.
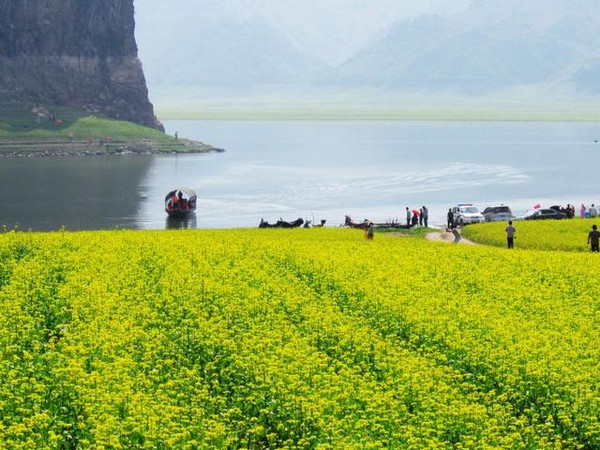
point(582, 211)
point(425, 215)
point(594, 239)
point(415, 218)
point(408, 217)
point(450, 218)
point(593, 211)
point(510, 234)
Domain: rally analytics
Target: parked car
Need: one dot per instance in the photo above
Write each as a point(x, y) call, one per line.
point(500, 213)
point(540, 214)
point(465, 213)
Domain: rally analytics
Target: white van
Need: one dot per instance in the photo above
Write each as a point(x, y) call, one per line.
point(466, 213)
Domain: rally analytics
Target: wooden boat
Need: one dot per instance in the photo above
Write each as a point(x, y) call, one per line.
point(281, 223)
point(363, 225)
point(180, 202)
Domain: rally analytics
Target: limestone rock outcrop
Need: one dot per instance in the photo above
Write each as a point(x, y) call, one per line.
point(79, 53)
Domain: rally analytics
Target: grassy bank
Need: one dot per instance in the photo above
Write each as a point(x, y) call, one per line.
point(66, 131)
point(305, 338)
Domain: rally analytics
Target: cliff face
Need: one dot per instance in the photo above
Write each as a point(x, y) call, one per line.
point(79, 53)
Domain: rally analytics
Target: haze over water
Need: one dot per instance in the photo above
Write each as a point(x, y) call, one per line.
point(290, 169)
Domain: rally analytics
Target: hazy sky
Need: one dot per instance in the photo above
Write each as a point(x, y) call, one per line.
point(246, 44)
point(332, 29)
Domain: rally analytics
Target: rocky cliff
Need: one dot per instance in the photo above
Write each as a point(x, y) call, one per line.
point(79, 53)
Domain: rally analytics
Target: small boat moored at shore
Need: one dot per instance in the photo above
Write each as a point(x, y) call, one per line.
point(281, 223)
point(180, 202)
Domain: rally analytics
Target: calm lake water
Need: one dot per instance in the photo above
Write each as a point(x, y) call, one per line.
point(291, 169)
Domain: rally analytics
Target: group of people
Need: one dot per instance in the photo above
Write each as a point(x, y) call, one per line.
point(584, 212)
point(420, 217)
point(176, 201)
point(417, 217)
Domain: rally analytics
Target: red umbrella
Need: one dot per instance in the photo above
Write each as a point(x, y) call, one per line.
point(415, 212)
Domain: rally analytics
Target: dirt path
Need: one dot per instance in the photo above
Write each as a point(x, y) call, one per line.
point(446, 236)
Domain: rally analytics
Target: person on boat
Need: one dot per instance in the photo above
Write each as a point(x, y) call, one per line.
point(170, 204)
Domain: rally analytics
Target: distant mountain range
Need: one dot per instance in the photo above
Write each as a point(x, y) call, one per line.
point(431, 53)
point(489, 47)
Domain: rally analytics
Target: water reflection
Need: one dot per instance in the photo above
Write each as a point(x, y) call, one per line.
point(76, 193)
point(181, 223)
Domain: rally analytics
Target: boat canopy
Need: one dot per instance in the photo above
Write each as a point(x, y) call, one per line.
point(186, 193)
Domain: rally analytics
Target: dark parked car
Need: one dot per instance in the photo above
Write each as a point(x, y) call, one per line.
point(538, 214)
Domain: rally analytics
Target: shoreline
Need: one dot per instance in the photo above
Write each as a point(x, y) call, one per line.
point(27, 132)
point(27, 148)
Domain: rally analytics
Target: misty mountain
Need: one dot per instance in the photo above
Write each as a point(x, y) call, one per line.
point(484, 47)
point(432, 53)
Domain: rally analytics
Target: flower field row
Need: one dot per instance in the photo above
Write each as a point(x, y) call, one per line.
point(293, 339)
point(563, 235)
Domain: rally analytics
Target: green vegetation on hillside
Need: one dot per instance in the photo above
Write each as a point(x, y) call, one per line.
point(22, 131)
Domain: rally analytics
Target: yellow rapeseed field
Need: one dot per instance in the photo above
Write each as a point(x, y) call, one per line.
point(566, 235)
point(300, 338)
